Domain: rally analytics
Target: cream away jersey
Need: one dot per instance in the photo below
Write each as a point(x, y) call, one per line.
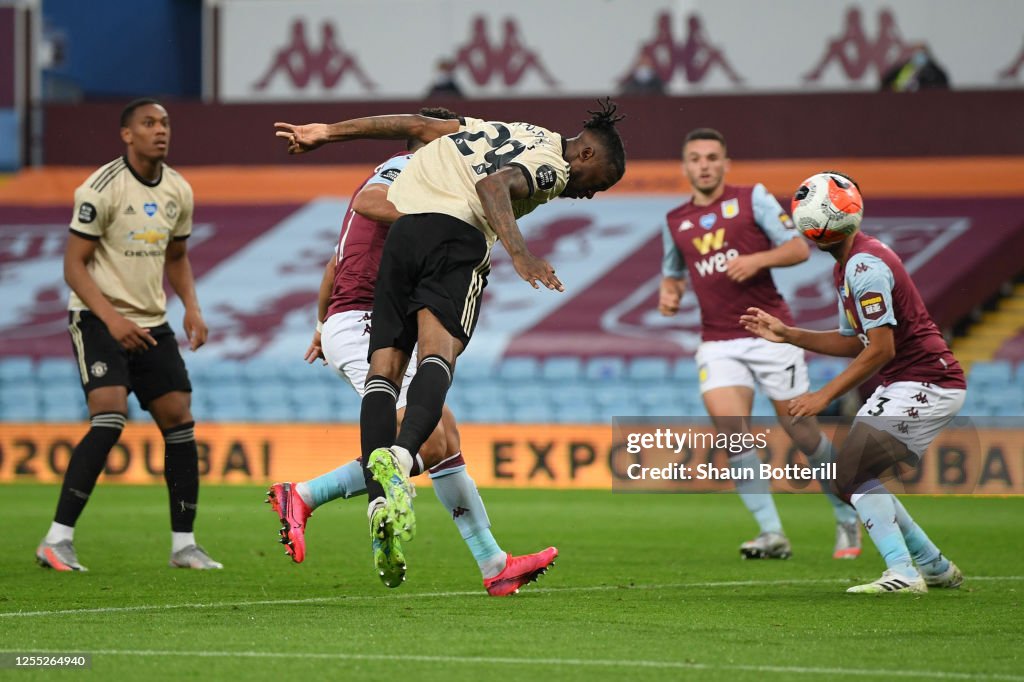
point(133, 221)
point(442, 177)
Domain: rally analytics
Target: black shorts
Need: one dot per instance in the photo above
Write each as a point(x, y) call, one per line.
point(102, 361)
point(432, 261)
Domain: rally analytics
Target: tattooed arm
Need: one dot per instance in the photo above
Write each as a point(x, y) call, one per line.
point(304, 138)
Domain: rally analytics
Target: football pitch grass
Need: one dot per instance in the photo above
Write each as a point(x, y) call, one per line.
point(647, 587)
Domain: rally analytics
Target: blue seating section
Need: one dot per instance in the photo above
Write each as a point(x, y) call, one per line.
point(559, 389)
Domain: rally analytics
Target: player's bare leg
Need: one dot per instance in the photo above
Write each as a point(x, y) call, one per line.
point(730, 408)
point(869, 457)
point(172, 412)
point(108, 406)
point(808, 437)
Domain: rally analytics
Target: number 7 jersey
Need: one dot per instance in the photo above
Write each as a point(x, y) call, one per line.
point(442, 176)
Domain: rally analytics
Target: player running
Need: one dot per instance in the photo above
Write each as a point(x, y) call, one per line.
point(728, 238)
point(885, 328)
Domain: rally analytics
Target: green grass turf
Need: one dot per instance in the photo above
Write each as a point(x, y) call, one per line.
point(637, 593)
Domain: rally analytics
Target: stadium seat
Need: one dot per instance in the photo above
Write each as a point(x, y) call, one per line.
point(991, 373)
point(685, 369)
point(531, 413)
point(604, 368)
point(1004, 400)
point(577, 413)
point(618, 391)
point(16, 369)
point(27, 411)
point(272, 412)
point(65, 412)
point(658, 399)
point(230, 391)
point(822, 370)
point(298, 370)
point(762, 406)
point(975, 405)
point(321, 412)
point(620, 407)
point(528, 394)
point(518, 369)
point(56, 395)
point(567, 368)
point(260, 369)
point(469, 368)
point(347, 403)
point(482, 394)
point(572, 394)
point(230, 411)
point(649, 369)
point(325, 376)
point(201, 412)
point(488, 413)
point(136, 413)
point(218, 370)
point(268, 394)
point(691, 405)
point(304, 396)
point(19, 393)
point(55, 370)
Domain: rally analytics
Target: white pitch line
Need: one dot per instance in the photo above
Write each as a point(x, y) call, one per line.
point(467, 593)
point(570, 662)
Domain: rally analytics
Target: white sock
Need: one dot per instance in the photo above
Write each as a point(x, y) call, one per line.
point(59, 532)
point(180, 541)
point(377, 502)
point(302, 488)
point(755, 492)
point(404, 458)
point(457, 492)
point(844, 513)
point(493, 566)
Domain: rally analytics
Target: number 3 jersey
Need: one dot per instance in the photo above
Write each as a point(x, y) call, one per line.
point(703, 239)
point(875, 290)
point(132, 220)
point(442, 176)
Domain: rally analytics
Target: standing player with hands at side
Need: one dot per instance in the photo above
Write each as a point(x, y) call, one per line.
point(886, 329)
point(132, 217)
point(457, 196)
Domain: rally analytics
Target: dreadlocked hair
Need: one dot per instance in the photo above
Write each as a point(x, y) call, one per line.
point(602, 123)
point(439, 112)
point(432, 112)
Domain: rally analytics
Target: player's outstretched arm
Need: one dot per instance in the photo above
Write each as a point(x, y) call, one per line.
point(496, 192)
point(881, 348)
point(307, 137)
point(771, 328)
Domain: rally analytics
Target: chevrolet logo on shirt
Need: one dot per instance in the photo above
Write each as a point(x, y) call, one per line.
point(150, 236)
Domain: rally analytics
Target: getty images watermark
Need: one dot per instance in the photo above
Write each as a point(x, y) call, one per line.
point(909, 454)
point(668, 440)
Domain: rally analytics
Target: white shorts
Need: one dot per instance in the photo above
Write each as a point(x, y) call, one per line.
point(778, 368)
point(346, 341)
point(912, 412)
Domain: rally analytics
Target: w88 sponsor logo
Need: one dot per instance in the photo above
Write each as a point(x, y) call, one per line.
point(716, 262)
